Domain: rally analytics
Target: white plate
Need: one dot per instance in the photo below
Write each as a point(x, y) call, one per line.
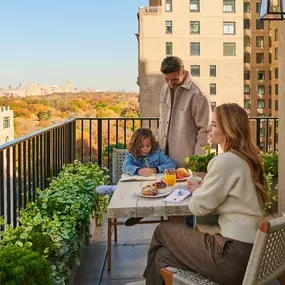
point(182, 179)
point(161, 193)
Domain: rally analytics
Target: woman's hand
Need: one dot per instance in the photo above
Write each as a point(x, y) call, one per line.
point(145, 171)
point(192, 186)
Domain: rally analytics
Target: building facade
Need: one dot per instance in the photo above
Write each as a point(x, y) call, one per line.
point(6, 125)
point(207, 35)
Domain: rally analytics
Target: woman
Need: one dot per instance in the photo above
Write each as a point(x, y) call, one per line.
point(235, 188)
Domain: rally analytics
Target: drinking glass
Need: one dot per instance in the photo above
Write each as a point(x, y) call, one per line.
point(169, 176)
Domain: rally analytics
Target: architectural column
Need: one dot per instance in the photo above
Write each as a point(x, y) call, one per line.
point(281, 112)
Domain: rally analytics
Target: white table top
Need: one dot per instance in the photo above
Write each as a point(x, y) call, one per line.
point(126, 203)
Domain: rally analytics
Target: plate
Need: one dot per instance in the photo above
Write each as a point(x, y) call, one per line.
point(161, 193)
point(182, 179)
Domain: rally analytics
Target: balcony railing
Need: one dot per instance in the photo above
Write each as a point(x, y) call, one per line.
point(29, 162)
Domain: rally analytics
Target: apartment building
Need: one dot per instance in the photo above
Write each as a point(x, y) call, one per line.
point(206, 34)
point(6, 125)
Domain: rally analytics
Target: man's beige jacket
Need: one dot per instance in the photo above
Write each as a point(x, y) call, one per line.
point(185, 128)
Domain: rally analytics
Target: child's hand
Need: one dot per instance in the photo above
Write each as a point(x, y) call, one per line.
point(145, 172)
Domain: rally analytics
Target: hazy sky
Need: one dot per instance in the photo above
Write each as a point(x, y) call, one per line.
point(91, 43)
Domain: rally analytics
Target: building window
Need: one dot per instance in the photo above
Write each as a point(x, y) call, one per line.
point(260, 103)
point(213, 70)
point(168, 46)
point(194, 27)
point(270, 41)
point(6, 139)
point(257, 7)
point(213, 106)
point(260, 89)
point(246, 41)
point(246, 7)
point(260, 58)
point(246, 104)
point(270, 25)
point(213, 89)
point(246, 75)
point(194, 5)
point(270, 89)
point(276, 73)
point(6, 122)
point(246, 57)
point(260, 75)
point(276, 53)
point(260, 41)
point(229, 49)
point(276, 89)
point(195, 70)
point(168, 6)
point(194, 48)
point(259, 24)
point(276, 34)
point(246, 23)
point(276, 105)
point(168, 27)
point(270, 75)
point(229, 28)
point(229, 6)
point(270, 57)
point(270, 103)
point(246, 89)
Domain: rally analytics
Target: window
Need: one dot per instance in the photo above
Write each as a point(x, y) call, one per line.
point(270, 41)
point(246, 7)
point(194, 5)
point(246, 75)
point(194, 27)
point(276, 53)
point(168, 46)
point(194, 48)
point(276, 105)
point(270, 25)
point(229, 6)
point(246, 57)
point(260, 58)
point(7, 139)
point(259, 24)
point(212, 88)
point(229, 28)
point(260, 103)
point(260, 74)
point(168, 6)
point(270, 89)
point(246, 23)
point(276, 89)
point(195, 70)
point(246, 41)
point(229, 49)
point(168, 27)
point(257, 7)
point(260, 41)
point(246, 104)
point(213, 70)
point(270, 75)
point(6, 122)
point(270, 103)
point(246, 89)
point(276, 73)
point(270, 58)
point(276, 34)
point(260, 89)
point(213, 106)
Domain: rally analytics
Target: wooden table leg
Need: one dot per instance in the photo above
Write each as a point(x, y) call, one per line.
point(115, 230)
point(109, 243)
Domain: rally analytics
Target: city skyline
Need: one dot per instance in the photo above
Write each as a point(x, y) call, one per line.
point(92, 45)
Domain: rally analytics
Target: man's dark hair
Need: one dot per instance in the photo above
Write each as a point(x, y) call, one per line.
point(171, 64)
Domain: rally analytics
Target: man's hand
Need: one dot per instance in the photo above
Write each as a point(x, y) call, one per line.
point(145, 171)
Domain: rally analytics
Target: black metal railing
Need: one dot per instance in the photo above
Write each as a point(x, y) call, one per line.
point(29, 162)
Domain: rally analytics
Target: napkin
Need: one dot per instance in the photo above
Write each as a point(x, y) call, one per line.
point(176, 198)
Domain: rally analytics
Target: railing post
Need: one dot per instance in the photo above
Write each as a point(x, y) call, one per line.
point(73, 141)
point(99, 135)
point(2, 187)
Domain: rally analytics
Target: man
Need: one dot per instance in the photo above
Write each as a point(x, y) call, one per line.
point(184, 116)
point(184, 113)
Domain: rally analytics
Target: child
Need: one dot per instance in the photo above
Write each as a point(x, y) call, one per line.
point(144, 156)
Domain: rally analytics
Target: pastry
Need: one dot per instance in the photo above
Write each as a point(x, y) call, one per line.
point(148, 190)
point(159, 185)
point(182, 173)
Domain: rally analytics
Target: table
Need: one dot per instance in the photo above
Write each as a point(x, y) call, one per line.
point(125, 203)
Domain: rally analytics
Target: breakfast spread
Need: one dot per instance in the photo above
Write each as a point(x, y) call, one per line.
point(159, 185)
point(182, 173)
point(148, 190)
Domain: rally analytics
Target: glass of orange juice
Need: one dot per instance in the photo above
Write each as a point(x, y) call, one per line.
point(169, 176)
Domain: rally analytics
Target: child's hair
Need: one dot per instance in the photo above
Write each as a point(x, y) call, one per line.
point(136, 140)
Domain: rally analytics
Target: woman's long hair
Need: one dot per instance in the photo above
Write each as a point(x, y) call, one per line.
point(135, 143)
point(233, 122)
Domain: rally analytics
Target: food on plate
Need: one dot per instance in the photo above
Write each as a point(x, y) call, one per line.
point(159, 185)
point(182, 173)
point(148, 190)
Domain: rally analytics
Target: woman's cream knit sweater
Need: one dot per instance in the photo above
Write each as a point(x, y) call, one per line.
point(228, 190)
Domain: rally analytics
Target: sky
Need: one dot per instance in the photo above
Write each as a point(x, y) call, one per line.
point(91, 43)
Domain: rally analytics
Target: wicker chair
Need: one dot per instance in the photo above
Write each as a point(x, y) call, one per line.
point(117, 163)
point(266, 262)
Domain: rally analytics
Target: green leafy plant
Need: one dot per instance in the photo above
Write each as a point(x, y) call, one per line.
point(101, 204)
point(199, 163)
point(21, 266)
